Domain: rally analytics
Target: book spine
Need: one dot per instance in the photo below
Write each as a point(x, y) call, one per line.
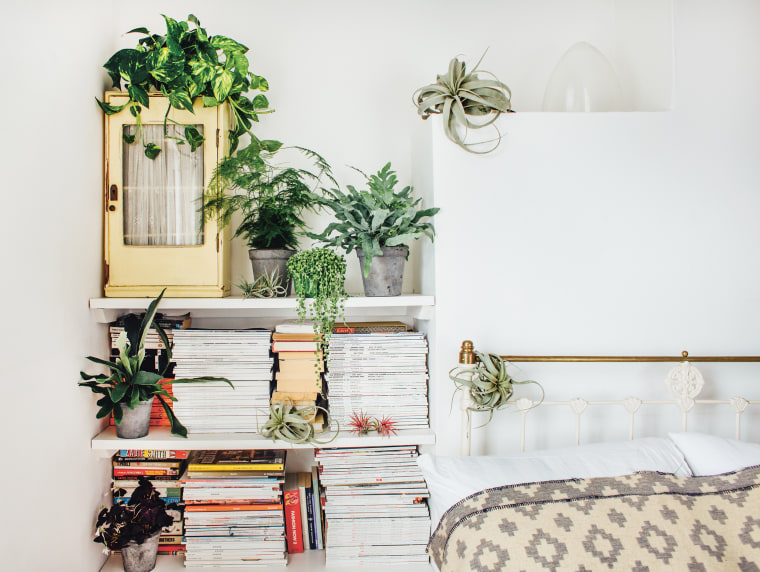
point(293, 521)
point(144, 472)
point(135, 454)
point(317, 507)
point(304, 516)
point(237, 467)
point(310, 518)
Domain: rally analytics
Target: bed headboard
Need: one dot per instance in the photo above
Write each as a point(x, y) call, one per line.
point(684, 383)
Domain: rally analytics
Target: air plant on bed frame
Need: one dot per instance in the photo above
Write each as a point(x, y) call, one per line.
point(488, 384)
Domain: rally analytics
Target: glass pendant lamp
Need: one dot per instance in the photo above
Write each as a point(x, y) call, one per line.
point(583, 80)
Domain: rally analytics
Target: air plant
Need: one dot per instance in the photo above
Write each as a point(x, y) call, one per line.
point(489, 385)
point(385, 426)
point(264, 286)
point(362, 424)
point(458, 96)
point(292, 424)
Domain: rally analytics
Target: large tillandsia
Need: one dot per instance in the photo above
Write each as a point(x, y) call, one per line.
point(489, 385)
point(292, 424)
point(458, 96)
point(267, 285)
point(129, 383)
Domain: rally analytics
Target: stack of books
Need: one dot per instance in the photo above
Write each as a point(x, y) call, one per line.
point(242, 356)
point(374, 506)
point(379, 374)
point(163, 469)
point(233, 508)
point(298, 375)
point(304, 517)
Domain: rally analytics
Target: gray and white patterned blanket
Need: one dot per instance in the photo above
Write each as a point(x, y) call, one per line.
point(645, 521)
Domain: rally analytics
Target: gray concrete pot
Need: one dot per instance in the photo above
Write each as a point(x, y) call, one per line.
point(271, 260)
point(140, 557)
point(134, 422)
point(386, 273)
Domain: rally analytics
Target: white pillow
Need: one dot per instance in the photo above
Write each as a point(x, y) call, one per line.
point(450, 479)
point(711, 455)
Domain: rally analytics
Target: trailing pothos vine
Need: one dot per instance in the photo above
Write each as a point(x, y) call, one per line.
point(183, 65)
point(488, 384)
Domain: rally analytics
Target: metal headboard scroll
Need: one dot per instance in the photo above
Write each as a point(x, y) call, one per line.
point(684, 382)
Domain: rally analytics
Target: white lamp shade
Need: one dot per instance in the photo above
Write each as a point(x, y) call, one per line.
point(583, 80)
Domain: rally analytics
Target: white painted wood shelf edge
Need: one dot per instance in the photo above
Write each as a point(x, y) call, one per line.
point(417, 306)
point(161, 438)
point(309, 561)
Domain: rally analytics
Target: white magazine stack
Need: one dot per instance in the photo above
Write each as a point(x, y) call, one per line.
point(380, 374)
point(242, 356)
point(374, 506)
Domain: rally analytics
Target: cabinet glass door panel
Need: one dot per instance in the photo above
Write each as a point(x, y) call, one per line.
point(162, 195)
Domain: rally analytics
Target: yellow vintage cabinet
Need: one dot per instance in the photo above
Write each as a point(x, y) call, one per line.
point(153, 234)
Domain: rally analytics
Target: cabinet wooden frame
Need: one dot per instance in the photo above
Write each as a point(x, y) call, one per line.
point(201, 270)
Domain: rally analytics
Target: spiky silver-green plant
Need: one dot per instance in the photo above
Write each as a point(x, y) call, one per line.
point(458, 96)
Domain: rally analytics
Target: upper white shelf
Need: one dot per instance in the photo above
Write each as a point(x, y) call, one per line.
point(160, 438)
point(417, 306)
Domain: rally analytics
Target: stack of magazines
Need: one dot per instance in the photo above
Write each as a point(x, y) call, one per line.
point(379, 374)
point(374, 506)
point(233, 508)
point(242, 356)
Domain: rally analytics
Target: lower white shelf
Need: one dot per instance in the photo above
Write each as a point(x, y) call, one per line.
point(161, 438)
point(309, 561)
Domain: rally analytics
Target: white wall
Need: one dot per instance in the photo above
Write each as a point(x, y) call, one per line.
point(612, 234)
point(342, 74)
point(51, 260)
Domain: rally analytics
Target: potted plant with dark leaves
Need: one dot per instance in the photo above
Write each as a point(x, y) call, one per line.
point(134, 528)
point(129, 390)
point(318, 276)
point(186, 65)
point(270, 197)
point(379, 223)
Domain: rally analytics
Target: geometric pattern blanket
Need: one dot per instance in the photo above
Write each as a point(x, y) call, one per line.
point(644, 521)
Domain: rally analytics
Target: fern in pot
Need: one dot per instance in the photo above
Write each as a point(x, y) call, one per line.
point(271, 198)
point(379, 223)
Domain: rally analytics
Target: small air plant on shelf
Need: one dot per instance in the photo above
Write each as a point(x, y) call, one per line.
point(293, 424)
point(362, 424)
point(134, 527)
point(266, 285)
point(488, 384)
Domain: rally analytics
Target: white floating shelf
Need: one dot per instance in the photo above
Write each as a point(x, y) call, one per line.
point(308, 561)
point(160, 438)
point(417, 306)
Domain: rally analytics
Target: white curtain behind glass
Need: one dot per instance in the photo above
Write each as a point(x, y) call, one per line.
point(162, 195)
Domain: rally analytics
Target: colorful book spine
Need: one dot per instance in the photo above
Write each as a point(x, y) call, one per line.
point(293, 521)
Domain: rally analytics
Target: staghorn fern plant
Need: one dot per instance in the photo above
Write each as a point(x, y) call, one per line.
point(377, 217)
point(458, 96)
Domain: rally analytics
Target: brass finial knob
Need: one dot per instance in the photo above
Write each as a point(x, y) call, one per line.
point(684, 354)
point(467, 354)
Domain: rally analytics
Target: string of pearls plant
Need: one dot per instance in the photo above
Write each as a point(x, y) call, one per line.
point(489, 385)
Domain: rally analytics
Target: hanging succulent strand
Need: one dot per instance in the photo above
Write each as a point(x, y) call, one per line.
point(489, 385)
point(458, 96)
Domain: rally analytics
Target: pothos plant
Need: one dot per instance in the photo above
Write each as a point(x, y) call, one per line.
point(319, 275)
point(374, 218)
point(129, 383)
point(466, 101)
point(183, 65)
